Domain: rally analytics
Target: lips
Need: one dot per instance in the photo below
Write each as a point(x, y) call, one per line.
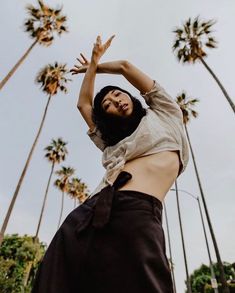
point(124, 107)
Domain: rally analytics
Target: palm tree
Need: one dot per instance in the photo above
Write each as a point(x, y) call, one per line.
point(52, 78)
point(62, 184)
point(189, 289)
point(77, 190)
point(186, 107)
point(55, 153)
point(191, 42)
point(42, 24)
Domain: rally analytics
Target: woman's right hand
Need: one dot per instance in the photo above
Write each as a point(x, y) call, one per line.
point(97, 52)
point(99, 49)
point(82, 67)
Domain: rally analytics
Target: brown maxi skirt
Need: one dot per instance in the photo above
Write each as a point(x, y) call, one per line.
point(112, 243)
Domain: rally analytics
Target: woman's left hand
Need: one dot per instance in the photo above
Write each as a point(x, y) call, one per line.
point(80, 68)
point(100, 48)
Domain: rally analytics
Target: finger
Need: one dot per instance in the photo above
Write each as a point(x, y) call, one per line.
point(75, 67)
point(111, 38)
point(84, 58)
point(109, 41)
point(98, 40)
point(81, 61)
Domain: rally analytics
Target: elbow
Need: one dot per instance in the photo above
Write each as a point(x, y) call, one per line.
point(125, 66)
point(84, 108)
point(80, 108)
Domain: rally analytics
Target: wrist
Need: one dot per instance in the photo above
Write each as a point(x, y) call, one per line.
point(95, 60)
point(94, 63)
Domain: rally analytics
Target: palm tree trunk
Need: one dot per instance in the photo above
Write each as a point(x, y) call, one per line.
point(44, 201)
point(28, 269)
point(13, 70)
point(30, 264)
point(189, 289)
point(220, 264)
point(170, 252)
point(6, 220)
point(27, 273)
point(208, 249)
point(219, 84)
point(61, 210)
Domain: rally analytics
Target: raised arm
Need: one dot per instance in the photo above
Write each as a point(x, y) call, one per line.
point(135, 76)
point(155, 96)
point(87, 88)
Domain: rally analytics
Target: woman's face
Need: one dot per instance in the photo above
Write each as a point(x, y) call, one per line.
point(117, 103)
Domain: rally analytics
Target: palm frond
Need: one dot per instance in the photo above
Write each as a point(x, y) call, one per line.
point(192, 38)
point(44, 22)
point(56, 151)
point(53, 78)
point(185, 103)
point(77, 189)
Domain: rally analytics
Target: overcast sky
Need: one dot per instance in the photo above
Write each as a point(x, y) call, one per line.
point(143, 36)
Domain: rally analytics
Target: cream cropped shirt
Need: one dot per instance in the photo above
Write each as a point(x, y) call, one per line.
point(161, 129)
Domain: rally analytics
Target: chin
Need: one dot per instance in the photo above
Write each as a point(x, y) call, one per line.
point(129, 112)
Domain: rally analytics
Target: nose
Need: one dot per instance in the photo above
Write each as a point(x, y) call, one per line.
point(116, 101)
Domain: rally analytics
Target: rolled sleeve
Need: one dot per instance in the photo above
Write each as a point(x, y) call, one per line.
point(158, 100)
point(95, 136)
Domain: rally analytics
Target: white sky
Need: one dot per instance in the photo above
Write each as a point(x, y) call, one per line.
point(143, 36)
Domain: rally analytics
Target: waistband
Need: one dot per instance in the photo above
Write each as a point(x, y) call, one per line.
point(106, 197)
point(140, 195)
point(97, 210)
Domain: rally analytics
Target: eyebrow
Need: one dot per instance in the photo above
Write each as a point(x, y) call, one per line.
point(106, 99)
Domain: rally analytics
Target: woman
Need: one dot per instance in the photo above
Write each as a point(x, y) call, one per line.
point(114, 242)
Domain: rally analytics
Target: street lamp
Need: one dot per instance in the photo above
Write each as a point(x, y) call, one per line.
point(182, 240)
point(213, 279)
point(170, 252)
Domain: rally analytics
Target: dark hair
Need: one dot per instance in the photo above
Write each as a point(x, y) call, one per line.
point(114, 128)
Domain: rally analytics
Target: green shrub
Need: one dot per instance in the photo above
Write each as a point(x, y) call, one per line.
point(209, 289)
point(19, 259)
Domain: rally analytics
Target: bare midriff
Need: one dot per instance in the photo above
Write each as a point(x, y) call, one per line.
point(153, 174)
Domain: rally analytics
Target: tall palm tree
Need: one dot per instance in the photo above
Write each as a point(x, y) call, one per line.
point(52, 78)
point(189, 289)
point(62, 184)
point(55, 153)
point(186, 105)
point(77, 190)
point(42, 24)
point(190, 45)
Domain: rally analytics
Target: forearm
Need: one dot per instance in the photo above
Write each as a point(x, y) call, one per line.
point(112, 67)
point(87, 87)
point(135, 76)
